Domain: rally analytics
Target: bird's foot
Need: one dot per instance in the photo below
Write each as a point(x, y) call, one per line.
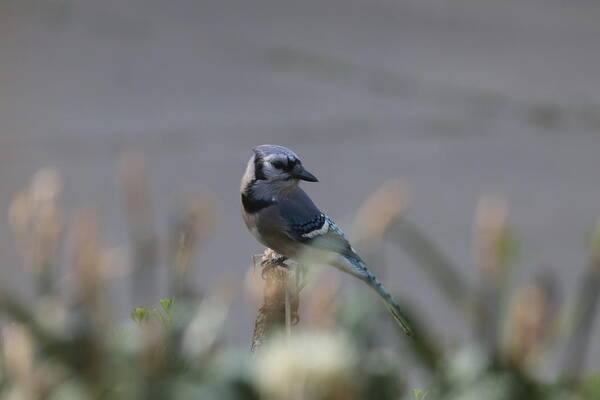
point(271, 260)
point(277, 260)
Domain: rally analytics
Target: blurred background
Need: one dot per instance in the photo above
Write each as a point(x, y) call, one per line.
point(456, 98)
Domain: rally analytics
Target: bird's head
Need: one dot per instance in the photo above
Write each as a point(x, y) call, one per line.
point(275, 166)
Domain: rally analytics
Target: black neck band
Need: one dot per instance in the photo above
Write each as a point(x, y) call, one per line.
point(252, 205)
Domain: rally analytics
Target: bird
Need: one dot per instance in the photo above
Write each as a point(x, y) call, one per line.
point(282, 217)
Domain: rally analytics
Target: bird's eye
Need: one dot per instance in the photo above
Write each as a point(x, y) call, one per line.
point(278, 164)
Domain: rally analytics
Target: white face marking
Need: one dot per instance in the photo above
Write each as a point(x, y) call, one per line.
point(275, 175)
point(248, 175)
point(317, 232)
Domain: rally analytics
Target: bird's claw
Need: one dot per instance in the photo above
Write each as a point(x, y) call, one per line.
point(277, 260)
point(272, 262)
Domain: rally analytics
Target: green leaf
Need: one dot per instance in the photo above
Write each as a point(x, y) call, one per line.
point(420, 394)
point(166, 305)
point(139, 315)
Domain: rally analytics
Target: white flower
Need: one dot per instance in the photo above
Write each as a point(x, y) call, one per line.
point(305, 363)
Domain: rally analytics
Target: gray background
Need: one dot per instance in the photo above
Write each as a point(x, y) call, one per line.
point(456, 98)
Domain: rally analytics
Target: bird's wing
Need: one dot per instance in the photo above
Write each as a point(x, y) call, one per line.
point(306, 224)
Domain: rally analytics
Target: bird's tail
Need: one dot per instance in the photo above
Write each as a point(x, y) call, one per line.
point(360, 270)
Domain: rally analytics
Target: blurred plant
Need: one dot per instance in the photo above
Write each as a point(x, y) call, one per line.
point(67, 343)
point(142, 315)
point(585, 310)
point(37, 225)
point(307, 366)
point(530, 322)
point(495, 252)
point(280, 299)
point(191, 225)
point(420, 394)
point(140, 217)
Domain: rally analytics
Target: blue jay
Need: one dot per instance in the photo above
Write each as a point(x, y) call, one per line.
point(281, 216)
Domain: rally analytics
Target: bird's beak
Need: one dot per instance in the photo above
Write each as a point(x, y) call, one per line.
point(300, 173)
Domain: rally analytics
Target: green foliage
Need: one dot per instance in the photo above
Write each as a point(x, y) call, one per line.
point(420, 394)
point(61, 348)
point(166, 305)
point(141, 315)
